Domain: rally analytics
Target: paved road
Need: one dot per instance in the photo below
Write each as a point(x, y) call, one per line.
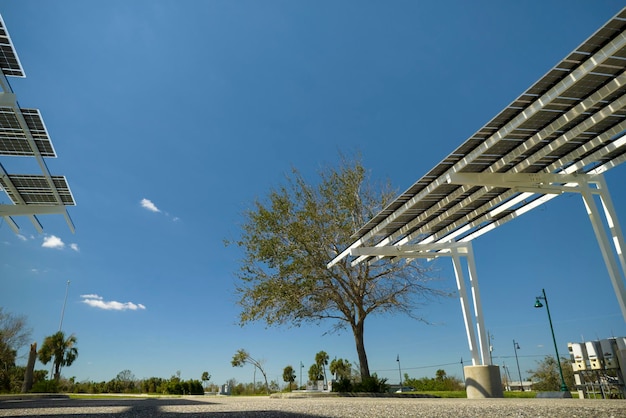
point(232, 407)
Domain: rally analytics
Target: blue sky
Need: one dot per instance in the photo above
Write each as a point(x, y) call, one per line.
point(169, 118)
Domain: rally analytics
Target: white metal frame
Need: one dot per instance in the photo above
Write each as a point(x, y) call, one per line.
point(457, 251)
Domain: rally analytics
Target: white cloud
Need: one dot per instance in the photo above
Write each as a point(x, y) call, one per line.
point(97, 301)
point(53, 242)
point(91, 296)
point(147, 204)
point(22, 237)
point(74, 247)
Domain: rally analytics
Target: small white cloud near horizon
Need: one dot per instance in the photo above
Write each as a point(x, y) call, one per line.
point(74, 247)
point(98, 301)
point(53, 241)
point(147, 204)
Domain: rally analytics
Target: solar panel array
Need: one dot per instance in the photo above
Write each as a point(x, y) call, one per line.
point(9, 62)
point(572, 120)
point(13, 138)
point(24, 134)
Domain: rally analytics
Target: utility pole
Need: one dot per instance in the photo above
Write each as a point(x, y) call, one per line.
point(399, 371)
point(64, 302)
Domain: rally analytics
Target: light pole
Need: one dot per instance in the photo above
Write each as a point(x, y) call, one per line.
point(538, 304)
point(301, 366)
point(399, 371)
point(515, 348)
point(64, 302)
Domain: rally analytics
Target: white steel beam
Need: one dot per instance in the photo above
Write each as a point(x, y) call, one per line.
point(474, 324)
point(603, 240)
point(557, 90)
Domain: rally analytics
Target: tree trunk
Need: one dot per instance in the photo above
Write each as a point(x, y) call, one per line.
point(30, 367)
point(57, 371)
point(357, 329)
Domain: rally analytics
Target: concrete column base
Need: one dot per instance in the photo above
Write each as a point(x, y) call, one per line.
point(483, 382)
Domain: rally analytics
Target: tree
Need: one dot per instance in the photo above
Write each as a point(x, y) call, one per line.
point(321, 359)
point(315, 373)
point(546, 377)
point(289, 375)
point(125, 381)
point(14, 334)
point(205, 377)
point(341, 368)
point(29, 370)
point(63, 351)
point(289, 238)
point(13, 330)
point(242, 357)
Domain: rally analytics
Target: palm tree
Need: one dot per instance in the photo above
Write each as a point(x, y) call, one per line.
point(321, 359)
point(63, 351)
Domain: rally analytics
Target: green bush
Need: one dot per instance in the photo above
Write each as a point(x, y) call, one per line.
point(45, 386)
point(372, 385)
point(368, 385)
point(342, 385)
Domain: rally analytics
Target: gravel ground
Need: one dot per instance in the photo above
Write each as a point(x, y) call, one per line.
point(232, 407)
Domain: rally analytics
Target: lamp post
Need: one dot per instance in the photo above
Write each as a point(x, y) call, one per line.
point(515, 348)
point(538, 304)
point(301, 367)
point(64, 302)
point(399, 371)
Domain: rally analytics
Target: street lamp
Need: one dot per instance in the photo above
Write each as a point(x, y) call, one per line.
point(515, 348)
point(538, 304)
point(399, 371)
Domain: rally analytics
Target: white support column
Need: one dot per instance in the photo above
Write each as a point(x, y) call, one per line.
point(478, 308)
point(474, 324)
point(603, 240)
point(460, 284)
point(613, 222)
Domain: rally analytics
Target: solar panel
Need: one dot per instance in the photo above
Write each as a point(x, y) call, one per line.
point(24, 134)
point(14, 139)
point(9, 61)
point(573, 120)
point(36, 190)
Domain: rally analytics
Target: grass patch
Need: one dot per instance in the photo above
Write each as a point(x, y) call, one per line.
point(463, 394)
point(117, 396)
point(518, 394)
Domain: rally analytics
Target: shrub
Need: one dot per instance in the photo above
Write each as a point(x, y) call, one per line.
point(372, 385)
point(342, 385)
point(45, 386)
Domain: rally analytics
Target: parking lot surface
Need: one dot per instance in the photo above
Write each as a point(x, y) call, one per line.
point(231, 407)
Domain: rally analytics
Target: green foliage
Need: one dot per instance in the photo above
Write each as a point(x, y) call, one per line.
point(372, 384)
point(441, 382)
point(151, 385)
point(242, 357)
point(315, 373)
point(249, 389)
point(321, 359)
point(13, 335)
point(342, 385)
point(288, 239)
point(289, 375)
point(341, 368)
point(45, 386)
point(62, 350)
point(546, 376)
